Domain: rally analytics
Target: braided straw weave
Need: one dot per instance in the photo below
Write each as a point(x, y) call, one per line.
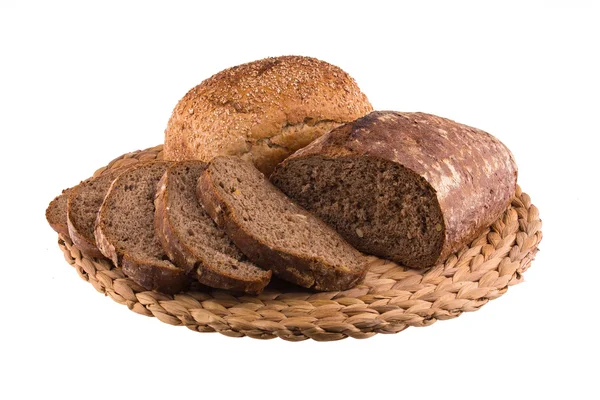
point(390, 299)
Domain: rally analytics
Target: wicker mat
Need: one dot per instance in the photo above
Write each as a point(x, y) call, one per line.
point(390, 299)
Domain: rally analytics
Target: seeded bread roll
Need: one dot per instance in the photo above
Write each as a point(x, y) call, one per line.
point(274, 232)
point(262, 111)
point(193, 241)
point(410, 187)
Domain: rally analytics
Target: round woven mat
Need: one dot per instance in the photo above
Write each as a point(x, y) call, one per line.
point(390, 299)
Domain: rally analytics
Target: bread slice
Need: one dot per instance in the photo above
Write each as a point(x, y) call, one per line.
point(193, 241)
point(83, 204)
point(274, 232)
point(124, 230)
point(56, 213)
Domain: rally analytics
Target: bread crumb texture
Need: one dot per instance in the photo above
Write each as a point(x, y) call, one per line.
point(263, 111)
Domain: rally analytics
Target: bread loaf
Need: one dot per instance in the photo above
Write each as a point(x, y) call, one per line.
point(262, 111)
point(274, 232)
point(410, 187)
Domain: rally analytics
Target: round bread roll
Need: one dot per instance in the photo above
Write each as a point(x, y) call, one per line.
point(263, 111)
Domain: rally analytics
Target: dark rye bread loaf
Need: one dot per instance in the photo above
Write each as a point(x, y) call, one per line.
point(83, 204)
point(274, 232)
point(193, 241)
point(410, 187)
point(56, 213)
point(124, 230)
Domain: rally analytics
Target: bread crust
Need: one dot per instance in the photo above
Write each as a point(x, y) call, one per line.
point(169, 240)
point(313, 273)
point(159, 275)
point(187, 258)
point(473, 174)
point(262, 111)
point(59, 228)
point(165, 278)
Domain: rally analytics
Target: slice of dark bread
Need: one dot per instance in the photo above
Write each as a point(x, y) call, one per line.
point(124, 230)
point(274, 232)
point(83, 204)
point(56, 213)
point(193, 241)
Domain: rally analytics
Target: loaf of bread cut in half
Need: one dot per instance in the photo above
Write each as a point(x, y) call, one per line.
point(193, 241)
point(274, 232)
point(83, 204)
point(56, 213)
point(124, 230)
point(410, 187)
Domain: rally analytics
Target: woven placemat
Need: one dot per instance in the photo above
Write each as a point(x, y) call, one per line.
point(390, 299)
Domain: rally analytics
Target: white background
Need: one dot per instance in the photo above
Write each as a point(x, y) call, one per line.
point(82, 84)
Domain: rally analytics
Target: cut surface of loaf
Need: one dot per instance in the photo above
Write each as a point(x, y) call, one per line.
point(274, 232)
point(193, 241)
point(82, 209)
point(124, 230)
point(263, 111)
point(410, 187)
point(56, 213)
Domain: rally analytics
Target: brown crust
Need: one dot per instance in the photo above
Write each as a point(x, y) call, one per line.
point(59, 227)
point(152, 276)
point(312, 273)
point(263, 110)
point(161, 275)
point(187, 259)
point(212, 278)
point(472, 172)
point(102, 242)
point(165, 232)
